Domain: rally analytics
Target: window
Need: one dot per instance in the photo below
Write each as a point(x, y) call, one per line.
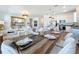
point(75, 16)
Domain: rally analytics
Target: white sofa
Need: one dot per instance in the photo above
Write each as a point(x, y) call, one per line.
point(60, 42)
point(6, 48)
point(76, 34)
point(69, 48)
point(10, 31)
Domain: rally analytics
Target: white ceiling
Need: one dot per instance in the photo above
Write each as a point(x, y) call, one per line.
point(36, 9)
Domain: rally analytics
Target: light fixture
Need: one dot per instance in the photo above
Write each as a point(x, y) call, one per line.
point(51, 17)
point(25, 13)
point(51, 12)
point(64, 8)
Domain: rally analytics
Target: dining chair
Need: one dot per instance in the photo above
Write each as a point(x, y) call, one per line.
point(69, 48)
point(68, 35)
point(75, 31)
point(8, 48)
point(60, 42)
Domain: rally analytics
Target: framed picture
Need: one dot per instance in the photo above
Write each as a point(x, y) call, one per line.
point(35, 23)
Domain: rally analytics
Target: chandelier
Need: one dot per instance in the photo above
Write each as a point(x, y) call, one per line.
point(25, 13)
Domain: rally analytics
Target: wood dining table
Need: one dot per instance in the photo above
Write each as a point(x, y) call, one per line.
point(49, 44)
point(42, 45)
point(45, 45)
point(46, 48)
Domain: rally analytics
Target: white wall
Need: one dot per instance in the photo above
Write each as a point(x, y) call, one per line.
point(7, 21)
point(1, 18)
point(27, 21)
point(68, 17)
point(34, 18)
point(41, 21)
point(77, 11)
point(75, 16)
point(46, 20)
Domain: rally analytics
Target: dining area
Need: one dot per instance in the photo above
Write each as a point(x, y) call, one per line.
point(30, 32)
point(48, 42)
